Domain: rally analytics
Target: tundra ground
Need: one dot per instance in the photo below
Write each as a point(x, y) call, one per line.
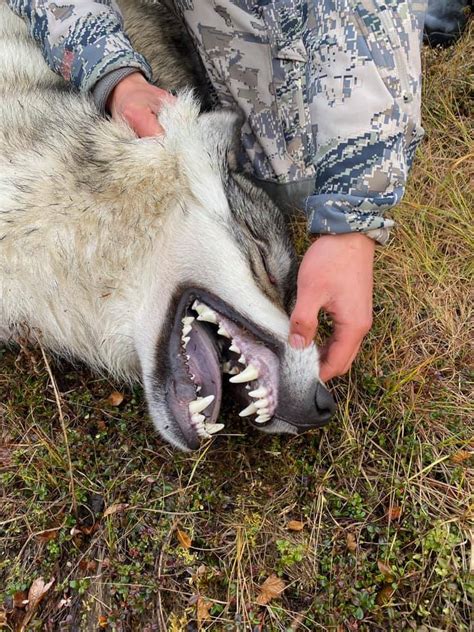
point(367, 525)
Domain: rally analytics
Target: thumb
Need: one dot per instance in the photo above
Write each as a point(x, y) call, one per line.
point(304, 318)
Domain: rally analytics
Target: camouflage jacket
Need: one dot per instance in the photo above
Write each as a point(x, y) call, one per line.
point(336, 108)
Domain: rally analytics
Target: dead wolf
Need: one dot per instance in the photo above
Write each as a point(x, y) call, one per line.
point(150, 259)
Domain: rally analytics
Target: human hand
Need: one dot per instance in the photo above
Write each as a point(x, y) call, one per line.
point(336, 275)
point(138, 102)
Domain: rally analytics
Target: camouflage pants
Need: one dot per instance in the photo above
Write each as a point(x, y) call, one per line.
point(330, 90)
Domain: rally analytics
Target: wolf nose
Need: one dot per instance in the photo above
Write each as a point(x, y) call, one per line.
point(325, 404)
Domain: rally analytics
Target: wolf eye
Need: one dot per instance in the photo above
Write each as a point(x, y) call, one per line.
point(266, 267)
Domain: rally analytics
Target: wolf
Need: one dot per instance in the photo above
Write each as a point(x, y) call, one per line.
point(149, 259)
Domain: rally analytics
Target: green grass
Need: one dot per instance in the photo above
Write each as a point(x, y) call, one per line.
point(384, 492)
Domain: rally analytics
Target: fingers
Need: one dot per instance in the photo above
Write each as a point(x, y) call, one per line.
point(146, 125)
point(341, 350)
point(304, 319)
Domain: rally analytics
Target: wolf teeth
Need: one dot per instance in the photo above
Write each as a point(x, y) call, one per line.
point(187, 320)
point(208, 316)
point(250, 410)
point(233, 347)
point(247, 375)
point(261, 391)
point(223, 332)
point(261, 403)
point(185, 340)
point(186, 329)
point(242, 359)
point(261, 419)
point(200, 404)
point(197, 419)
point(213, 428)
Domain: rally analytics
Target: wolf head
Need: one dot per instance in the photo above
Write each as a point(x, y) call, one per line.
point(216, 307)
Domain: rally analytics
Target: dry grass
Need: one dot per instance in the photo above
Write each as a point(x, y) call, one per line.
point(384, 492)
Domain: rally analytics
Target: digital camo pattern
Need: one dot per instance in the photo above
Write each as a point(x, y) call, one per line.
point(81, 40)
point(330, 89)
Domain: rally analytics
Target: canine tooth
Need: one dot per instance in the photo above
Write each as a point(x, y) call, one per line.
point(200, 404)
point(250, 410)
point(198, 419)
point(213, 428)
point(187, 320)
point(259, 392)
point(242, 359)
point(233, 347)
point(208, 316)
point(247, 375)
point(261, 403)
point(186, 330)
point(223, 332)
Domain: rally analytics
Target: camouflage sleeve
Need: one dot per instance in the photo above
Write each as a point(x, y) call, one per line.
point(81, 40)
point(366, 106)
point(331, 96)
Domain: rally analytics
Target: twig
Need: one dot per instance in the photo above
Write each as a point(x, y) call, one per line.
point(63, 426)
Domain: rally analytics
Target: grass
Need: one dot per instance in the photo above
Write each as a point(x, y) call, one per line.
point(91, 497)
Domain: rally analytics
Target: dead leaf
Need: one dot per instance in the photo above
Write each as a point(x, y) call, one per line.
point(271, 588)
point(48, 535)
point(394, 512)
point(295, 525)
point(386, 571)
point(351, 542)
point(461, 455)
point(115, 398)
point(183, 538)
point(3, 617)
point(202, 610)
point(102, 621)
point(384, 596)
point(37, 592)
point(20, 599)
point(113, 509)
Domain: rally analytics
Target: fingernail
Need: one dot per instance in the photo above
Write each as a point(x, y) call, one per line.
point(297, 341)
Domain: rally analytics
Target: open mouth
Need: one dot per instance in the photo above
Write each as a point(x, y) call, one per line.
point(210, 341)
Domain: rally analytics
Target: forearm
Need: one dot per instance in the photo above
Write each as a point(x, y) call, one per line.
point(84, 42)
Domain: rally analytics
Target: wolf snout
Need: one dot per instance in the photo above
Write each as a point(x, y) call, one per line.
point(324, 402)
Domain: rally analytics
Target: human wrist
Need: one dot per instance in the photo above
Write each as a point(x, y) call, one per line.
point(126, 84)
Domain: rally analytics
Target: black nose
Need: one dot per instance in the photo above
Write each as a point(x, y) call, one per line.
point(325, 404)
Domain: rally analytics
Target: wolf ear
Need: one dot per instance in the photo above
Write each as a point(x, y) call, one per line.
point(222, 136)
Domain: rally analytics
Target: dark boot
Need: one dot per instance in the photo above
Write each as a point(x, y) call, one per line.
point(445, 21)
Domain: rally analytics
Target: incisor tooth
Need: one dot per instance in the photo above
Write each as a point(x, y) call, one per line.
point(261, 403)
point(208, 316)
point(200, 404)
point(223, 332)
point(247, 375)
point(259, 392)
point(213, 428)
point(261, 419)
point(233, 347)
point(250, 410)
point(198, 419)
